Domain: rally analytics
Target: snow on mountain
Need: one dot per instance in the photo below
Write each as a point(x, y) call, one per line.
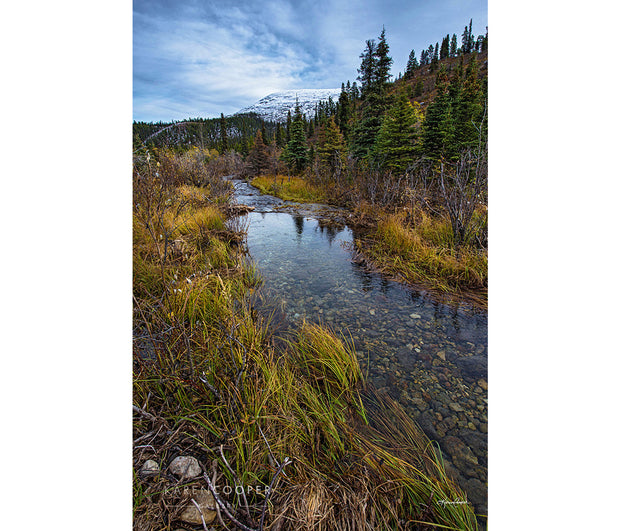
point(275, 106)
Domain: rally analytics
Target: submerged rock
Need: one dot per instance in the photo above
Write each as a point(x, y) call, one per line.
point(473, 366)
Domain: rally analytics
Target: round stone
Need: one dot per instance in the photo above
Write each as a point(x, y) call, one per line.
point(185, 467)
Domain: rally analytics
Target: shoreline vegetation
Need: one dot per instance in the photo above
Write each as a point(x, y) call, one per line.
point(234, 426)
point(408, 244)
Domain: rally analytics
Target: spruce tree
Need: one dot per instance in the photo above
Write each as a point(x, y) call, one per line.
point(344, 112)
point(258, 157)
point(279, 136)
point(295, 153)
point(368, 66)
point(445, 47)
point(384, 62)
point(412, 64)
point(394, 149)
point(468, 108)
point(453, 45)
point(288, 126)
point(437, 130)
point(419, 88)
point(330, 147)
point(223, 134)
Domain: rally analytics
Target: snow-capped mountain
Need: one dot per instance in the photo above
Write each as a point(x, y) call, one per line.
point(276, 106)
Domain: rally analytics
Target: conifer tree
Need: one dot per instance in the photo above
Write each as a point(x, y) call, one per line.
point(279, 136)
point(367, 67)
point(295, 153)
point(394, 149)
point(223, 134)
point(419, 88)
point(437, 130)
point(264, 134)
point(344, 112)
point(445, 47)
point(330, 147)
point(453, 45)
point(468, 108)
point(288, 126)
point(384, 61)
point(412, 64)
point(258, 157)
point(435, 59)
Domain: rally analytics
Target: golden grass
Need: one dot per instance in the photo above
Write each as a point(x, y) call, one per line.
point(289, 188)
point(424, 253)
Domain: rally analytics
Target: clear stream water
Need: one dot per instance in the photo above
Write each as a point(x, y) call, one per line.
point(431, 357)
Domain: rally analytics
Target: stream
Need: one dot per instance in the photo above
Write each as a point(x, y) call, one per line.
point(429, 356)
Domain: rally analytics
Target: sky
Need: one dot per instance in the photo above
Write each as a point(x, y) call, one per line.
point(200, 58)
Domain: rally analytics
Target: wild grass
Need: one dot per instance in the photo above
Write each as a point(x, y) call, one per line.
point(423, 252)
point(210, 381)
point(289, 188)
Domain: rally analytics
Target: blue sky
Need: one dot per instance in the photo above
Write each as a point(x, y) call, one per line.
point(202, 57)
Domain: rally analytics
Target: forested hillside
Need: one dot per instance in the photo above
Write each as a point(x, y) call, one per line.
point(406, 153)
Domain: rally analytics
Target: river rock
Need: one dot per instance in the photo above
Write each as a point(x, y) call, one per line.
point(483, 384)
point(461, 454)
point(476, 491)
point(206, 503)
point(185, 467)
point(149, 468)
point(473, 366)
point(415, 316)
point(455, 407)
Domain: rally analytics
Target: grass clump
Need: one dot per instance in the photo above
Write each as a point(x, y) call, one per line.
point(423, 252)
point(290, 188)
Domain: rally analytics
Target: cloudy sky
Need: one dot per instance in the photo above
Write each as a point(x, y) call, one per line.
point(202, 57)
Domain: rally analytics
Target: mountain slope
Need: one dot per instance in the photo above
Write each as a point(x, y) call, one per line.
point(275, 106)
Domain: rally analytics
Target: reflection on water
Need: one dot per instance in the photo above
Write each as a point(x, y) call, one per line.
point(429, 356)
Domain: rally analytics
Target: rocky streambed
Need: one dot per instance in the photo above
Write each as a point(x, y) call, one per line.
point(429, 356)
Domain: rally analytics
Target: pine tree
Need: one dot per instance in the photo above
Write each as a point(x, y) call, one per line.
point(395, 149)
point(223, 134)
point(453, 45)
